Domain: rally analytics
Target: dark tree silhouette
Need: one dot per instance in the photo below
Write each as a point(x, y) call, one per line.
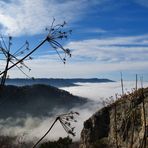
point(60, 143)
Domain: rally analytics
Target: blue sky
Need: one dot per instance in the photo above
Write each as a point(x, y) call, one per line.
point(109, 36)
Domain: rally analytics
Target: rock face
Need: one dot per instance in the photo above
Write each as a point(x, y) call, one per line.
point(122, 124)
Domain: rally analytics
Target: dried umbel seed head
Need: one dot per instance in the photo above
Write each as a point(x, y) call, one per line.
point(66, 121)
point(56, 32)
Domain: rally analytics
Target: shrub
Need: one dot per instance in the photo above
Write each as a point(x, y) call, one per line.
point(60, 143)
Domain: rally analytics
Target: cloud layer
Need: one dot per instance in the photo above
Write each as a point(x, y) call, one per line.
point(112, 54)
point(29, 17)
point(19, 17)
point(103, 56)
point(112, 49)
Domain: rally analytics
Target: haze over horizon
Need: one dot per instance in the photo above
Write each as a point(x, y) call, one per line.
point(109, 36)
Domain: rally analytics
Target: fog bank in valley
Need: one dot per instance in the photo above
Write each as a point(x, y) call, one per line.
point(30, 128)
point(99, 91)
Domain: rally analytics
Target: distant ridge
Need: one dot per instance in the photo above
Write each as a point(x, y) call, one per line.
point(55, 82)
point(89, 80)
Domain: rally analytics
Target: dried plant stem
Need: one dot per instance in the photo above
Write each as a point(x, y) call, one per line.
point(122, 84)
point(115, 120)
point(133, 128)
point(5, 71)
point(21, 60)
point(133, 116)
point(45, 133)
point(136, 84)
point(54, 33)
point(144, 117)
point(65, 120)
point(143, 144)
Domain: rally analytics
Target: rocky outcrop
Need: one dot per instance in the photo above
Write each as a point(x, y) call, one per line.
point(122, 124)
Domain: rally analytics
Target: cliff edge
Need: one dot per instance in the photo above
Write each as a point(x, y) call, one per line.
point(122, 124)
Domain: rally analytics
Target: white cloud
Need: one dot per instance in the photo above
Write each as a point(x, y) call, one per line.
point(32, 16)
point(113, 49)
point(49, 68)
point(19, 17)
point(91, 57)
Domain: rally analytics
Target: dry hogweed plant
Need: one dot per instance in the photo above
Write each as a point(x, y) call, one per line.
point(66, 122)
point(12, 58)
point(55, 33)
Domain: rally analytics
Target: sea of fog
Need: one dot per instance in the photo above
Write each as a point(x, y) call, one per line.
point(34, 127)
point(99, 91)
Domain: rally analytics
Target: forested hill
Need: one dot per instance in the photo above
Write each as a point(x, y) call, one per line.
point(36, 100)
